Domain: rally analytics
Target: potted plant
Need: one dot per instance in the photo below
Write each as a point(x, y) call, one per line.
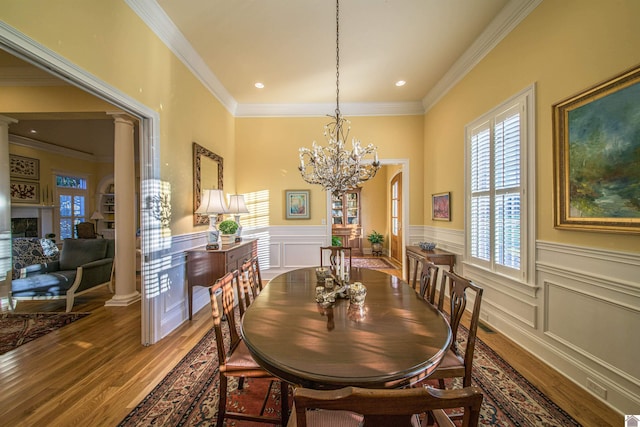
point(228, 230)
point(376, 239)
point(336, 241)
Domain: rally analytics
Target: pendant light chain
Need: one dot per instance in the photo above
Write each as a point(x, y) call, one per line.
point(338, 58)
point(334, 167)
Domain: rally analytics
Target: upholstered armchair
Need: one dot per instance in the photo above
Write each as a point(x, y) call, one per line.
point(83, 264)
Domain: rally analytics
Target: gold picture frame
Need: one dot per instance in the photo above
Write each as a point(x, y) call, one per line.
point(207, 173)
point(441, 206)
point(596, 156)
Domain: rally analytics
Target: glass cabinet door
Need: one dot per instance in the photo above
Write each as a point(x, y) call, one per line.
point(337, 213)
point(353, 209)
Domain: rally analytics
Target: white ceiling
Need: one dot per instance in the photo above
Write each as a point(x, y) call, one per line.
point(290, 46)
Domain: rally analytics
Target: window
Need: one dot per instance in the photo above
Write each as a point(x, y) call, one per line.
point(497, 145)
point(72, 192)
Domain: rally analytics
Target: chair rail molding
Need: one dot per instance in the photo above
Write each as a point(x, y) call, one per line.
point(578, 317)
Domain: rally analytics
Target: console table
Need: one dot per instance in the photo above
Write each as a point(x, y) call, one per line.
point(416, 257)
point(205, 267)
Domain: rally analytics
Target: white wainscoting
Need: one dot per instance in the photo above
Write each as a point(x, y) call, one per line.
point(581, 316)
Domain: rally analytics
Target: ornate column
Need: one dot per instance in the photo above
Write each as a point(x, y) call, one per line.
point(5, 199)
point(125, 232)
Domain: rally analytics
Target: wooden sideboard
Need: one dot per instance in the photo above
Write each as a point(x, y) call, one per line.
point(416, 256)
point(205, 267)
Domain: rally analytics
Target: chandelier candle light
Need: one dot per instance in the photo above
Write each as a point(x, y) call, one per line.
point(333, 167)
point(212, 204)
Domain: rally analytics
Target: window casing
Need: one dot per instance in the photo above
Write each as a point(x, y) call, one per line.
point(71, 195)
point(499, 150)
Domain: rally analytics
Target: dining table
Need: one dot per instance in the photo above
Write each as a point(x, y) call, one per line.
point(394, 339)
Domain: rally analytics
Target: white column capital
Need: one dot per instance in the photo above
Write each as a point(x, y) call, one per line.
point(121, 117)
point(5, 120)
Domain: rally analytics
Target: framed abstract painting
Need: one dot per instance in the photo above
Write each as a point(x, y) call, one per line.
point(297, 204)
point(441, 207)
point(596, 157)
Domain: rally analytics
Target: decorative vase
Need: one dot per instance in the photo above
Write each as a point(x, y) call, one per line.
point(376, 248)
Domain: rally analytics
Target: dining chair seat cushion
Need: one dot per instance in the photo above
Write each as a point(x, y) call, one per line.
point(451, 360)
point(324, 418)
point(240, 360)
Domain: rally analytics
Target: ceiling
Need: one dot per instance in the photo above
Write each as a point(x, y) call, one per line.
point(290, 47)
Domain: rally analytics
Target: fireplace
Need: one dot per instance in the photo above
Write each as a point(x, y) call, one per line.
point(24, 227)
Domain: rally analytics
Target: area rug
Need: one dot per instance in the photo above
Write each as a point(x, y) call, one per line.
point(17, 329)
point(373, 263)
point(188, 395)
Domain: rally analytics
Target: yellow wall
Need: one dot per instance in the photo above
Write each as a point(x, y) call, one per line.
point(89, 33)
point(268, 156)
point(374, 206)
point(563, 47)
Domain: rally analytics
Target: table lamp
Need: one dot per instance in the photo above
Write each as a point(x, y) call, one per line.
point(212, 204)
point(237, 207)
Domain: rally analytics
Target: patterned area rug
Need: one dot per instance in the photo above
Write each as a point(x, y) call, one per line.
point(188, 395)
point(373, 263)
point(17, 329)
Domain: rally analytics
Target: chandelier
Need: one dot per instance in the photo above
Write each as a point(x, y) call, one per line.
point(334, 167)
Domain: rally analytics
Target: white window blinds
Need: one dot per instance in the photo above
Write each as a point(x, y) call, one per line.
point(495, 171)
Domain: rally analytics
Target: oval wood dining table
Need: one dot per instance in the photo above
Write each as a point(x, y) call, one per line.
point(394, 339)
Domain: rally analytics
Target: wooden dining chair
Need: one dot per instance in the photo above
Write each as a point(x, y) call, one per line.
point(334, 255)
point(248, 288)
point(255, 264)
point(428, 282)
point(234, 358)
point(353, 406)
point(458, 361)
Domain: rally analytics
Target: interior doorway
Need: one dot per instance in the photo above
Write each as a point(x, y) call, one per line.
point(396, 216)
point(24, 48)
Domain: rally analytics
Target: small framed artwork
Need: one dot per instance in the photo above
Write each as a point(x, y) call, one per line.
point(297, 204)
point(596, 157)
point(24, 167)
point(24, 192)
point(441, 207)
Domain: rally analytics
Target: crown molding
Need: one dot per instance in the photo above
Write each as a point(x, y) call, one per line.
point(56, 149)
point(508, 18)
point(158, 21)
point(316, 110)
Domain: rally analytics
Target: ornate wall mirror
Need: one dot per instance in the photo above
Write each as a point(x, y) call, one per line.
point(207, 173)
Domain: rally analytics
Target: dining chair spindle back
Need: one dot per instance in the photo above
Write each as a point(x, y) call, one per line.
point(234, 358)
point(458, 361)
point(428, 281)
point(335, 253)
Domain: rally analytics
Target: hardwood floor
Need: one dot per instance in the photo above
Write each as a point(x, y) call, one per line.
point(95, 371)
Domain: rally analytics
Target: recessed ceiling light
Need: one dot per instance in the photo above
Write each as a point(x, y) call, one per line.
point(33, 131)
point(259, 85)
point(400, 83)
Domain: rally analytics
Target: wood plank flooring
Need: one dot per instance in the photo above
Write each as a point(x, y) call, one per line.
point(95, 371)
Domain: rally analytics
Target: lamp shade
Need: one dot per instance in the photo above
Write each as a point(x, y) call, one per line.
point(97, 215)
point(212, 203)
point(237, 205)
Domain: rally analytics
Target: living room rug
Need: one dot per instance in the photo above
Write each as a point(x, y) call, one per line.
point(373, 263)
point(17, 329)
point(188, 395)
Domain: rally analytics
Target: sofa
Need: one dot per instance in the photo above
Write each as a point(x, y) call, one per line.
point(41, 273)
